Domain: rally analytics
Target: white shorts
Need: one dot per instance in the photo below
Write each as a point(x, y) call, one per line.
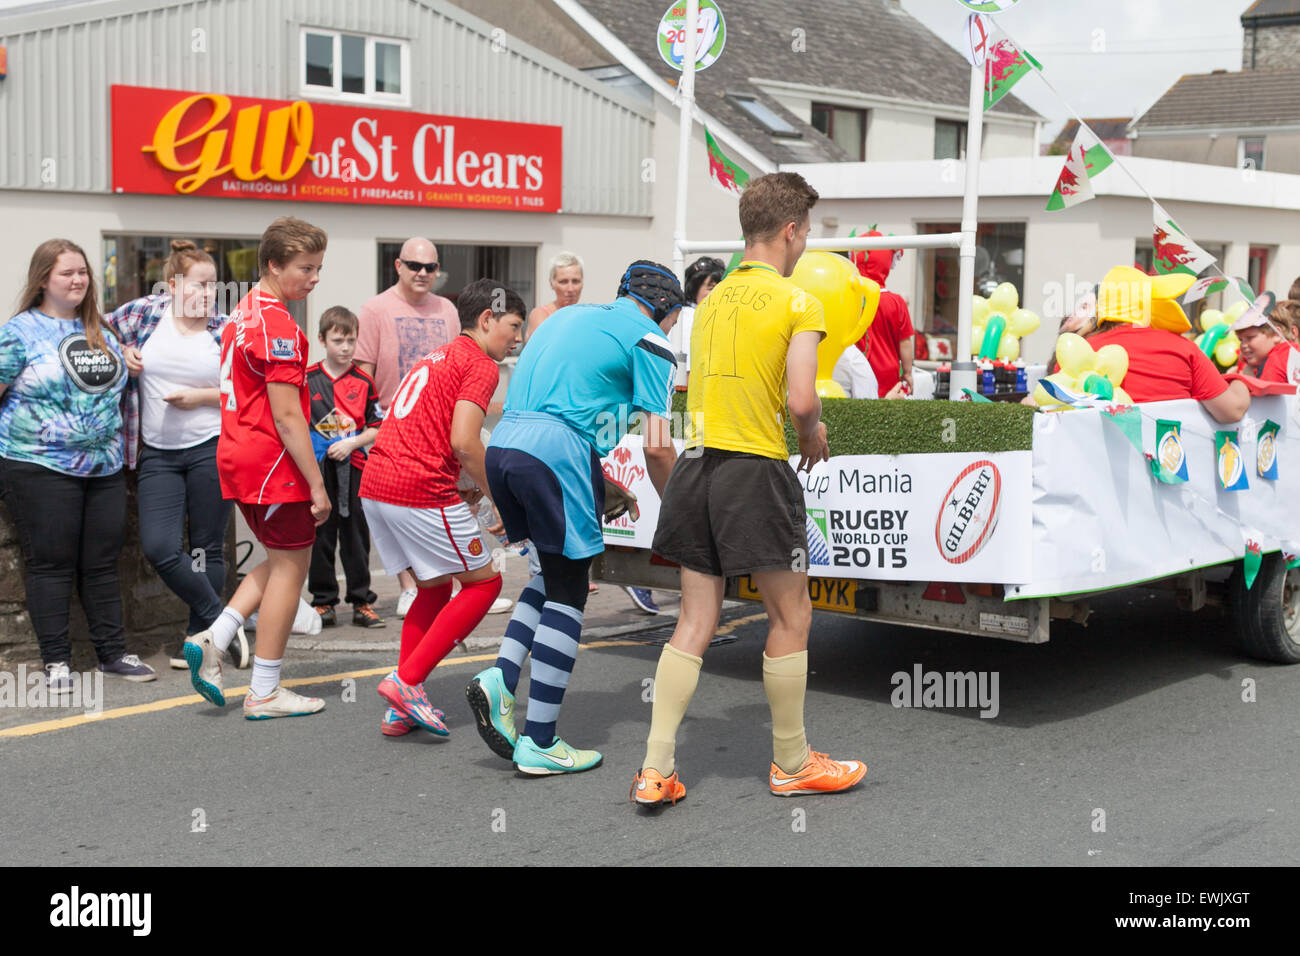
point(432, 542)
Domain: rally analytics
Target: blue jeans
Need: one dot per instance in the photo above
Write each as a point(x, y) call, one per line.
point(172, 486)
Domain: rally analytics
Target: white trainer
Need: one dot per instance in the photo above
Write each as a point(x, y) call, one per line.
point(501, 605)
point(58, 679)
point(405, 600)
point(282, 702)
point(239, 652)
point(306, 620)
point(205, 667)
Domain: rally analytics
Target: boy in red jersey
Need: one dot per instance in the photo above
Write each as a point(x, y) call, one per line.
point(418, 519)
point(267, 465)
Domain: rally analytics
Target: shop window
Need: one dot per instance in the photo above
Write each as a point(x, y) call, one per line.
point(949, 139)
point(999, 257)
point(846, 127)
point(352, 66)
point(134, 267)
point(459, 265)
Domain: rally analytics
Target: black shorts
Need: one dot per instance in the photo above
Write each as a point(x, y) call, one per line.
point(729, 513)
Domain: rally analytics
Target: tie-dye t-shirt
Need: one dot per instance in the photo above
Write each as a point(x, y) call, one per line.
point(62, 408)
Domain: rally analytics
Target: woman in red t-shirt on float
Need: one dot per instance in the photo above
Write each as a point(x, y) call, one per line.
point(267, 465)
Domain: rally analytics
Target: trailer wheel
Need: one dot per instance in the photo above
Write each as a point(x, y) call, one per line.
point(1267, 616)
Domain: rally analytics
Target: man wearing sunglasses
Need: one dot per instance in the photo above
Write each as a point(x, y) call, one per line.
point(399, 327)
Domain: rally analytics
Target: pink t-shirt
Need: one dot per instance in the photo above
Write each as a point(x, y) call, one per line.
point(395, 335)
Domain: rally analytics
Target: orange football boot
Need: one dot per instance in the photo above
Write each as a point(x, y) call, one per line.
point(650, 788)
point(820, 774)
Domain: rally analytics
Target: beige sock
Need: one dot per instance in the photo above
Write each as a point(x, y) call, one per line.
point(786, 680)
point(675, 680)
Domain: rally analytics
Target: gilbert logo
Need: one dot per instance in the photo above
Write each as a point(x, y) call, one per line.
point(969, 513)
point(78, 909)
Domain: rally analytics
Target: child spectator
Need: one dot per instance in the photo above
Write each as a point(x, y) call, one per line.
point(344, 420)
point(266, 464)
point(421, 521)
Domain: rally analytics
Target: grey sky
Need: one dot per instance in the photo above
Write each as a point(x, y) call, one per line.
point(1148, 45)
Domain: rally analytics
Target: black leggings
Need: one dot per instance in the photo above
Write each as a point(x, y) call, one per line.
point(565, 578)
point(71, 530)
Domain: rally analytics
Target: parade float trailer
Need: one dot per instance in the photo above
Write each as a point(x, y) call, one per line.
point(994, 520)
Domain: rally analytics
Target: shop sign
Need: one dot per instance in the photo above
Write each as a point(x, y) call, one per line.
point(169, 142)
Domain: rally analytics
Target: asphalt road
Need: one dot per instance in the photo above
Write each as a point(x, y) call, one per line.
point(1139, 716)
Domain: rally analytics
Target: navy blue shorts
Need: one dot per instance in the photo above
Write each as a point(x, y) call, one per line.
point(547, 484)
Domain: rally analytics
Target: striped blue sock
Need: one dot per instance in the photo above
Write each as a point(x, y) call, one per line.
point(555, 645)
point(519, 632)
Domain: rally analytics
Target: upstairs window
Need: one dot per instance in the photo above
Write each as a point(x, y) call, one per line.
point(1250, 152)
point(949, 139)
point(351, 66)
point(844, 126)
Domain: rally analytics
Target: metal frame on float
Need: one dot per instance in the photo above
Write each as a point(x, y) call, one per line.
point(963, 367)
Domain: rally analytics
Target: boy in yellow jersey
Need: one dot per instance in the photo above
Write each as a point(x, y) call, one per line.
point(735, 506)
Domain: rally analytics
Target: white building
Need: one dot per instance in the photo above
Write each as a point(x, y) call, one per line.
point(390, 85)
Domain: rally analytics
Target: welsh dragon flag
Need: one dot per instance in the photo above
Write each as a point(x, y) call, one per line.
point(1081, 165)
point(1005, 65)
point(724, 172)
point(1172, 251)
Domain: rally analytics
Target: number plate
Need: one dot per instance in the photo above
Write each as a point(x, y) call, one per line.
point(826, 594)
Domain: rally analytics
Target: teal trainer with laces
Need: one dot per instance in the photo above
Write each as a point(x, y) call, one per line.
point(559, 757)
point(494, 711)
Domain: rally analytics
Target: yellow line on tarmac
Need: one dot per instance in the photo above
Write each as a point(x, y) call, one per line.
point(736, 622)
point(78, 720)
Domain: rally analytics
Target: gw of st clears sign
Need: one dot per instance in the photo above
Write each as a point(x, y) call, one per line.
point(176, 143)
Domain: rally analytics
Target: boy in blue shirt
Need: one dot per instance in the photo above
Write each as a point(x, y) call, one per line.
point(579, 384)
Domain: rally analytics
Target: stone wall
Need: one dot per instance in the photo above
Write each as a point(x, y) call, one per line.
point(153, 616)
point(1275, 48)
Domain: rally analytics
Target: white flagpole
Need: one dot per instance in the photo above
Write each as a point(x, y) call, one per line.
point(686, 102)
point(963, 368)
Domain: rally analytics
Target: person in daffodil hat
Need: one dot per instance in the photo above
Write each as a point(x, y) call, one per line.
point(1141, 313)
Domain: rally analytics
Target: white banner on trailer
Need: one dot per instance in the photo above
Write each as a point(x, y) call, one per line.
point(1101, 520)
point(941, 517)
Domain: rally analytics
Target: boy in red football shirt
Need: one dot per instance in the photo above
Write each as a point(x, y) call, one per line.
point(266, 464)
point(418, 519)
point(344, 420)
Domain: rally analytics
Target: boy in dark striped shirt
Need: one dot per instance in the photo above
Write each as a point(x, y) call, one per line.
point(344, 420)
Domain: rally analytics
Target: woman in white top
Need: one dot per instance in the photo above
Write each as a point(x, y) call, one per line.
point(172, 346)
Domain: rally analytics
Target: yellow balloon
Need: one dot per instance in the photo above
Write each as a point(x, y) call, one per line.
point(1063, 379)
point(1112, 361)
point(1227, 353)
point(1004, 299)
point(1212, 317)
point(980, 310)
point(848, 301)
point(1009, 347)
point(1075, 355)
point(1234, 311)
point(976, 339)
point(1122, 397)
point(1022, 323)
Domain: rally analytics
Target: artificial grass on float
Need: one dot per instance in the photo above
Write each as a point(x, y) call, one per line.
point(910, 426)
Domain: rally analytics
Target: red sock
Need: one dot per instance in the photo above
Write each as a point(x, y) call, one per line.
point(453, 623)
point(424, 610)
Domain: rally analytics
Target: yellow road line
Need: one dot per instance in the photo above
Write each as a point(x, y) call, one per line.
point(78, 720)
